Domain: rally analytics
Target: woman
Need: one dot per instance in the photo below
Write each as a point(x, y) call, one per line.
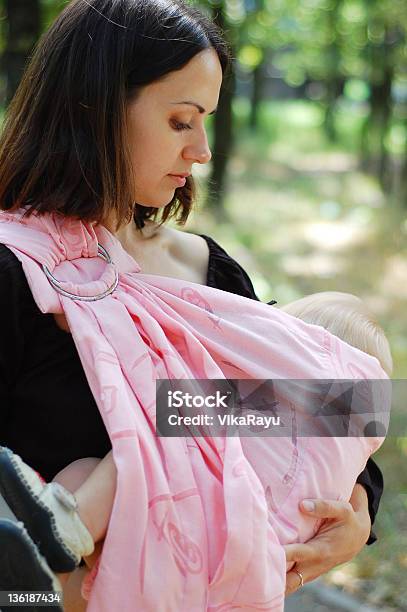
point(111, 113)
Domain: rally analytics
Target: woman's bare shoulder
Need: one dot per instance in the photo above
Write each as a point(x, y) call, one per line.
point(189, 249)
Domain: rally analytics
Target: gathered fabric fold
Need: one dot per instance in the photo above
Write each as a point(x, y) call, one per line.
point(192, 527)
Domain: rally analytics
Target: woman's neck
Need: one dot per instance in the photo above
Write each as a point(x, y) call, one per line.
point(130, 235)
point(131, 230)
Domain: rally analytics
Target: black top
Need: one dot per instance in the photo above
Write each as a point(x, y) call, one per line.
point(45, 399)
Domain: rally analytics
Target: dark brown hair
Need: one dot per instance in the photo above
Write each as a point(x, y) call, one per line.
point(63, 145)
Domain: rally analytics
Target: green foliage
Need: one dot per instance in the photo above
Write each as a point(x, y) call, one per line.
point(250, 56)
point(321, 37)
point(50, 9)
point(349, 55)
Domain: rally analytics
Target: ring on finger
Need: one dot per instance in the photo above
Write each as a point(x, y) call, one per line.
point(301, 577)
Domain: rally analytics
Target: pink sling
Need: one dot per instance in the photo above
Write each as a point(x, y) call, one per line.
point(194, 526)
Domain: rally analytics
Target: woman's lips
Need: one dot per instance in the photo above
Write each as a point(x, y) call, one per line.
point(179, 180)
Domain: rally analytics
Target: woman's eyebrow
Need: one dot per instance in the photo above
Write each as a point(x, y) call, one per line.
point(198, 106)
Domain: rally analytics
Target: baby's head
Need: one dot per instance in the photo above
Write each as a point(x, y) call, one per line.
point(347, 317)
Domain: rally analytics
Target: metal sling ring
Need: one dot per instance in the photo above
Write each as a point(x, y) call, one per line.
point(57, 284)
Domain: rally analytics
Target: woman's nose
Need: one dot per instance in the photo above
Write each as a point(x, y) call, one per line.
point(199, 152)
point(204, 156)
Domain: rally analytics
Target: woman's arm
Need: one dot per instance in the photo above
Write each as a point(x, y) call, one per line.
point(343, 533)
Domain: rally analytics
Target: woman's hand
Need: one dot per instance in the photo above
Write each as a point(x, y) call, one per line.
point(343, 533)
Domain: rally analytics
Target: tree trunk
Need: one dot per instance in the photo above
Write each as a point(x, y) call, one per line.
point(376, 158)
point(257, 94)
point(403, 175)
point(334, 82)
point(386, 112)
point(24, 28)
point(334, 88)
point(223, 137)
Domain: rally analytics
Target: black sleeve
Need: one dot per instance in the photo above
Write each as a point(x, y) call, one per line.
point(11, 332)
point(372, 480)
point(38, 363)
point(227, 274)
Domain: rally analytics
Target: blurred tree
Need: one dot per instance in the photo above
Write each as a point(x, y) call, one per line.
point(255, 53)
point(327, 42)
point(257, 93)
point(23, 27)
point(384, 37)
point(332, 42)
point(403, 190)
point(381, 74)
point(49, 10)
point(334, 79)
point(223, 128)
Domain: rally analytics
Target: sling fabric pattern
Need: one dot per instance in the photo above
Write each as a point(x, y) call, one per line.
point(197, 523)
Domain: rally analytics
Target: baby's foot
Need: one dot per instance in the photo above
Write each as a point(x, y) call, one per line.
point(22, 568)
point(48, 511)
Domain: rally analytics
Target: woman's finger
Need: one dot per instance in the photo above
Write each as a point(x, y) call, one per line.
point(293, 580)
point(300, 553)
point(323, 508)
point(339, 538)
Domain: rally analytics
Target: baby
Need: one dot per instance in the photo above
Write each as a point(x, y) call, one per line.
point(347, 317)
point(319, 467)
point(63, 527)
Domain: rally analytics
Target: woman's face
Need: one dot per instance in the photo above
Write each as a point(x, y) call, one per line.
point(166, 127)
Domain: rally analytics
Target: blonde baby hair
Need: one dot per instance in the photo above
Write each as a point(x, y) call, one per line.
point(347, 317)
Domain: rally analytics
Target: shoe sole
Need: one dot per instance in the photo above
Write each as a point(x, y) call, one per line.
point(22, 568)
point(37, 519)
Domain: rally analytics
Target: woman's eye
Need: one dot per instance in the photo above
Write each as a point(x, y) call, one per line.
point(177, 125)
